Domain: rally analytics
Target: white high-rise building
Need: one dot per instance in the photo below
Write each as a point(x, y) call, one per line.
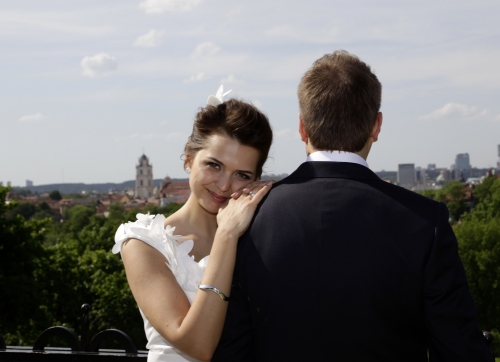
point(462, 166)
point(144, 178)
point(29, 183)
point(406, 174)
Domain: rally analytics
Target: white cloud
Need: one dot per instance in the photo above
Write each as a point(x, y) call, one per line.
point(287, 133)
point(170, 136)
point(196, 78)
point(140, 135)
point(497, 118)
point(457, 111)
point(281, 30)
point(149, 40)
point(258, 104)
point(37, 117)
point(305, 34)
point(231, 79)
point(99, 64)
point(206, 49)
point(161, 6)
point(177, 136)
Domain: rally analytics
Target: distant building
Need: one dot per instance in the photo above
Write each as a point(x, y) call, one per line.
point(431, 166)
point(144, 179)
point(406, 174)
point(29, 183)
point(498, 162)
point(177, 192)
point(420, 176)
point(462, 167)
point(441, 179)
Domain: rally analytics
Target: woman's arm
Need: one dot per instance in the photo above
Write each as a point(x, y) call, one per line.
point(194, 329)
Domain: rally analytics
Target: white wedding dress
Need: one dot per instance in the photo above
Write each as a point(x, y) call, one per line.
point(150, 229)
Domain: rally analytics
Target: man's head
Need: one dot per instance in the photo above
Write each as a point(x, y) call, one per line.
point(339, 100)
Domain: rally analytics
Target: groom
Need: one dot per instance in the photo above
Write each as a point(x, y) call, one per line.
point(339, 265)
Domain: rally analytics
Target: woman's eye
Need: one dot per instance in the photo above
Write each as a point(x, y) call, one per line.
point(213, 165)
point(243, 176)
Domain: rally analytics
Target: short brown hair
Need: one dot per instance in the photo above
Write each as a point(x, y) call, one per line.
point(238, 120)
point(339, 98)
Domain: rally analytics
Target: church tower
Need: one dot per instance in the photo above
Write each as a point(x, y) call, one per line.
point(144, 179)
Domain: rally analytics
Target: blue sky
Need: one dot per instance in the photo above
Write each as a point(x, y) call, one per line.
point(86, 85)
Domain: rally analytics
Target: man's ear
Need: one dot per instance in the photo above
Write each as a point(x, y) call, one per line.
point(376, 127)
point(302, 130)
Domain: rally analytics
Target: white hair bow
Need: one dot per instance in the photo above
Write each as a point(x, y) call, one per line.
point(218, 98)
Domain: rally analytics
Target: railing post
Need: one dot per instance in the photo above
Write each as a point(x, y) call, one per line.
point(85, 327)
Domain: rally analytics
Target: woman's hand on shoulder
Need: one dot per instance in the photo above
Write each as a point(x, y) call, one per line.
point(235, 217)
point(251, 187)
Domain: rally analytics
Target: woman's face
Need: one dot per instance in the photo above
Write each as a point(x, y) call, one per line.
point(219, 169)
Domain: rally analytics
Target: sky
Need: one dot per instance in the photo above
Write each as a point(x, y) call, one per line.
point(87, 86)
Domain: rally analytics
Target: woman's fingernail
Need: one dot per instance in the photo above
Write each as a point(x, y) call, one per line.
point(233, 194)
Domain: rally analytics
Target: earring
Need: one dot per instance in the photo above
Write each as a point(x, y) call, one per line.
point(188, 170)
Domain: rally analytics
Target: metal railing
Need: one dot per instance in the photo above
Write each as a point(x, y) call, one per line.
point(80, 350)
point(86, 349)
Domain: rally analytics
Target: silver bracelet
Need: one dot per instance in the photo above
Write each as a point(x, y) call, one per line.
point(215, 290)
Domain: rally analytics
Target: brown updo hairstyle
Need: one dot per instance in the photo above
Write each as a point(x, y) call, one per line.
point(236, 119)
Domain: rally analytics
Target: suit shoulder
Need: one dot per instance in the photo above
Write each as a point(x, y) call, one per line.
point(411, 199)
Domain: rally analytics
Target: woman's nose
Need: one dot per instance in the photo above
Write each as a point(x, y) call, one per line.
point(224, 183)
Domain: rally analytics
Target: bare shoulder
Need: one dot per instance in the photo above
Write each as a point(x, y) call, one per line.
point(177, 220)
point(171, 220)
point(147, 271)
point(135, 251)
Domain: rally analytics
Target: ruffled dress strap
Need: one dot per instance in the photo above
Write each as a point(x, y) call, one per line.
point(149, 229)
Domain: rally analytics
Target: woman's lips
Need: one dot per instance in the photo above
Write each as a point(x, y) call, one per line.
point(217, 198)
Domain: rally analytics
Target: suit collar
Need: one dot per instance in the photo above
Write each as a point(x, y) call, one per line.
point(318, 169)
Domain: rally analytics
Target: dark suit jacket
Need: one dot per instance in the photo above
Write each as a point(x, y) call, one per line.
point(339, 265)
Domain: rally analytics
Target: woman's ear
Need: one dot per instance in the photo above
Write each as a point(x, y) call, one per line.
point(187, 161)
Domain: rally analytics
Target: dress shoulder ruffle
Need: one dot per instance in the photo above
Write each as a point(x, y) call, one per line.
point(150, 229)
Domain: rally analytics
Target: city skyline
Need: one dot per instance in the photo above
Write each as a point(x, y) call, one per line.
point(414, 168)
point(87, 85)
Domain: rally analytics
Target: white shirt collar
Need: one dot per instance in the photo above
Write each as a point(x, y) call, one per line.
point(337, 156)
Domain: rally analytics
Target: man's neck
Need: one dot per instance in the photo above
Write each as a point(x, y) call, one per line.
point(362, 153)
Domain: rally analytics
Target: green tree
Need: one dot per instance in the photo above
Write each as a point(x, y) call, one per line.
point(82, 269)
point(431, 194)
point(55, 195)
point(25, 209)
point(21, 251)
point(117, 214)
point(453, 195)
point(60, 267)
point(79, 217)
point(479, 246)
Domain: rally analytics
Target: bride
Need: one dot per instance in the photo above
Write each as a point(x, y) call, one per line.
point(182, 295)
